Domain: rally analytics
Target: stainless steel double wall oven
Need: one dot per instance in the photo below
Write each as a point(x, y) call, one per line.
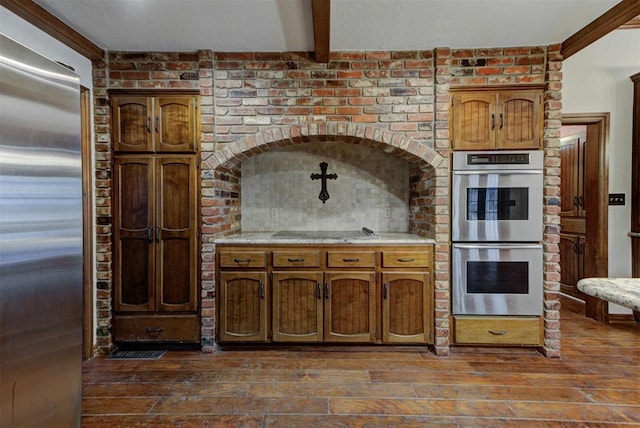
point(497, 228)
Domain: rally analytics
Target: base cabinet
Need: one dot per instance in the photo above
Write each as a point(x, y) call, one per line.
point(486, 330)
point(325, 294)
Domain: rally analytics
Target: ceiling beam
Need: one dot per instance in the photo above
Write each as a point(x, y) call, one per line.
point(619, 14)
point(39, 17)
point(321, 28)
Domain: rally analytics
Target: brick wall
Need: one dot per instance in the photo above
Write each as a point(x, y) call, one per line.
point(392, 101)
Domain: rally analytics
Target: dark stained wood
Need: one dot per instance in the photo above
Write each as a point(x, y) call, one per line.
point(321, 10)
point(635, 179)
point(572, 151)
point(350, 307)
point(406, 299)
point(243, 307)
point(572, 247)
point(162, 124)
point(596, 188)
point(39, 17)
point(618, 15)
point(297, 306)
point(87, 224)
point(595, 383)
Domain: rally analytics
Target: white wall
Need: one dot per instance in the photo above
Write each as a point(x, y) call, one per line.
point(35, 39)
point(596, 80)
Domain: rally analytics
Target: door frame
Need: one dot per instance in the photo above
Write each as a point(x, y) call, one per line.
point(87, 223)
point(597, 180)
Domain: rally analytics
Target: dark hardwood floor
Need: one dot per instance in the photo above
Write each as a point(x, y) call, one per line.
point(595, 384)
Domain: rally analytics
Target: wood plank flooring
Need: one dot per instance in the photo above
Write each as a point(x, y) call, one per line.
point(595, 384)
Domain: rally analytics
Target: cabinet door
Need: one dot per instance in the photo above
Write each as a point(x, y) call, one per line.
point(132, 124)
point(572, 249)
point(572, 158)
point(176, 233)
point(243, 307)
point(297, 307)
point(406, 308)
point(133, 263)
point(350, 307)
point(175, 124)
point(518, 120)
point(474, 121)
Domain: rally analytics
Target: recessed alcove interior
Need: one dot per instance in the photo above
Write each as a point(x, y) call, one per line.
point(378, 186)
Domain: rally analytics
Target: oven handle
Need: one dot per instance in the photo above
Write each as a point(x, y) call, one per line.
point(502, 172)
point(489, 246)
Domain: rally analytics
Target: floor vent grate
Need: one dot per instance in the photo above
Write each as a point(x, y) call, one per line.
point(136, 355)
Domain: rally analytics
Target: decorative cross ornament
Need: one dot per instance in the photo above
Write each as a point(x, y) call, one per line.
point(324, 195)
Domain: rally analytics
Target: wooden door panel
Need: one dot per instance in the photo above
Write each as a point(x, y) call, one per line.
point(350, 305)
point(570, 179)
point(474, 121)
point(570, 262)
point(243, 307)
point(297, 306)
point(176, 232)
point(406, 309)
point(132, 124)
point(134, 273)
point(175, 124)
point(518, 120)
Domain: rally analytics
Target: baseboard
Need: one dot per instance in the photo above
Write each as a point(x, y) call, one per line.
point(571, 303)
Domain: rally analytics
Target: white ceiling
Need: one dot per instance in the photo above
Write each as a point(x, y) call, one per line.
point(286, 25)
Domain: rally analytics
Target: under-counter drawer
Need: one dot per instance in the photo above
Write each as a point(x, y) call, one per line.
point(243, 259)
point(409, 259)
point(497, 330)
point(157, 328)
point(301, 258)
point(359, 259)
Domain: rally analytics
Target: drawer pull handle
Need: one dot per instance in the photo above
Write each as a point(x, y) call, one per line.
point(262, 290)
point(296, 260)
point(498, 332)
point(385, 290)
point(326, 290)
point(152, 330)
point(319, 290)
point(242, 260)
point(407, 260)
point(356, 259)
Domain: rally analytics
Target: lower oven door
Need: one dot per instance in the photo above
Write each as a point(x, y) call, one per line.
point(497, 279)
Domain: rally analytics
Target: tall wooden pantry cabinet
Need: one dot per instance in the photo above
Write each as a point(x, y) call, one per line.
point(155, 198)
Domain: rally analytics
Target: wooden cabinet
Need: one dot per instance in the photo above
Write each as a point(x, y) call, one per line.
point(155, 245)
point(350, 307)
point(243, 301)
point(496, 119)
point(572, 159)
point(162, 123)
point(573, 212)
point(328, 293)
point(572, 254)
point(483, 330)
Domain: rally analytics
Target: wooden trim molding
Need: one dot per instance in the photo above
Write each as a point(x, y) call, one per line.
point(597, 179)
point(631, 25)
point(618, 15)
point(39, 17)
point(321, 28)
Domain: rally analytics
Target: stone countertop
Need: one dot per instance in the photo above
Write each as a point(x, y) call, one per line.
point(622, 291)
point(323, 238)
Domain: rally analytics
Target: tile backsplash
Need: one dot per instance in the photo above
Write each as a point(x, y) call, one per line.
point(372, 189)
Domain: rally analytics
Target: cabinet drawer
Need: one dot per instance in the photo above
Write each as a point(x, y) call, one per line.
point(351, 259)
point(174, 328)
point(408, 259)
point(497, 330)
point(243, 259)
point(296, 258)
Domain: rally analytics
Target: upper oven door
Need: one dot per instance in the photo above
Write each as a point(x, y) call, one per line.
point(497, 206)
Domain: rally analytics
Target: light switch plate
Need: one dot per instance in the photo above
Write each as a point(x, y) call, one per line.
point(616, 198)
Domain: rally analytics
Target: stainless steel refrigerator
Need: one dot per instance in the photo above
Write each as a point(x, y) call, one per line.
point(40, 241)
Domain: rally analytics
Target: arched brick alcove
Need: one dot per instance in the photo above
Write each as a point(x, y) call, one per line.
point(221, 209)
